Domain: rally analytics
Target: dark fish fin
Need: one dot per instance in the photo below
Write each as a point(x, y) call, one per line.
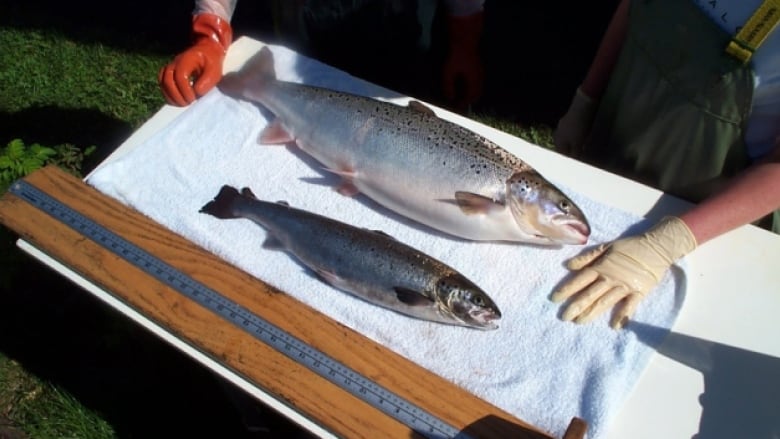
point(411, 297)
point(274, 134)
point(222, 205)
point(380, 232)
point(254, 74)
point(246, 192)
point(422, 108)
point(272, 243)
point(471, 203)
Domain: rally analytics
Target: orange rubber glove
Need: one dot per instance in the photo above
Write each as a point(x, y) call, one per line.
point(198, 69)
point(463, 74)
point(625, 270)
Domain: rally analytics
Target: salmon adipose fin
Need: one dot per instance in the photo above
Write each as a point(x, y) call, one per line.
point(222, 205)
point(252, 77)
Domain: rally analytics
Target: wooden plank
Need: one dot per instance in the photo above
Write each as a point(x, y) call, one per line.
point(318, 399)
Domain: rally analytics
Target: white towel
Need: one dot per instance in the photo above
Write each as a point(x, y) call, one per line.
point(535, 366)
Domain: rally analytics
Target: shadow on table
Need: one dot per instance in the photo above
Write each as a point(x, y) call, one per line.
point(741, 388)
point(494, 426)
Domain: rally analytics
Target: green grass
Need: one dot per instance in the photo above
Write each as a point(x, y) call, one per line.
point(45, 68)
point(42, 409)
point(44, 79)
point(536, 133)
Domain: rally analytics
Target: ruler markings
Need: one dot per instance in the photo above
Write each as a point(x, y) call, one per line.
point(364, 388)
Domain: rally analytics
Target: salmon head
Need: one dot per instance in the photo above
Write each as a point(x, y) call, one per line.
point(465, 302)
point(542, 210)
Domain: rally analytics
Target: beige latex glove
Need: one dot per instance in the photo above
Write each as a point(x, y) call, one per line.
point(623, 270)
point(573, 128)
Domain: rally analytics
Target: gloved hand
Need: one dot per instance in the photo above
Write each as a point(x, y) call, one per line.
point(626, 269)
point(198, 69)
point(463, 74)
point(573, 128)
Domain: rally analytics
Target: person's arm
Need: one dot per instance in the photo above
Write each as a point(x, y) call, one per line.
point(749, 197)
point(574, 126)
point(463, 73)
point(603, 63)
point(197, 70)
point(222, 8)
point(623, 272)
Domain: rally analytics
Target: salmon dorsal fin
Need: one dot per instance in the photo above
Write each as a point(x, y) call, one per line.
point(421, 108)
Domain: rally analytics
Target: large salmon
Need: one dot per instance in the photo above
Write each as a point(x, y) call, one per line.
point(366, 263)
point(411, 161)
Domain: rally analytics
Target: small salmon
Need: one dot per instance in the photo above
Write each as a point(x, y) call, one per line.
point(409, 160)
point(369, 264)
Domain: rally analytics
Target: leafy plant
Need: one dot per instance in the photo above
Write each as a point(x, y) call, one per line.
point(18, 160)
point(70, 157)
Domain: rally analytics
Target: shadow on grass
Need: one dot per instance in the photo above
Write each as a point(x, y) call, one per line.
point(135, 381)
point(162, 27)
point(51, 125)
point(155, 28)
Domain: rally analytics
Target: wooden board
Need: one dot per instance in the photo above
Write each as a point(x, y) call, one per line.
point(315, 397)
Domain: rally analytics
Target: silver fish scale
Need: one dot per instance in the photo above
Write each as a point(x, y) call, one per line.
point(414, 163)
point(347, 251)
point(415, 131)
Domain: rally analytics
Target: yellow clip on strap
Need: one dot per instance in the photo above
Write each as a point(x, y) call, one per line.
point(755, 31)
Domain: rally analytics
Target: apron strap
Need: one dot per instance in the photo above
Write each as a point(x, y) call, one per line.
point(752, 35)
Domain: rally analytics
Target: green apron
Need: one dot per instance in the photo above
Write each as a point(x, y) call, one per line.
point(676, 108)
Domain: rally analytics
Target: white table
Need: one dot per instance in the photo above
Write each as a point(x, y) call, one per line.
point(718, 372)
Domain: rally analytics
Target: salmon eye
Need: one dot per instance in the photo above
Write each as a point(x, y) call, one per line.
point(479, 301)
point(564, 206)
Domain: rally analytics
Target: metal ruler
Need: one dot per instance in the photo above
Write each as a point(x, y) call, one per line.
point(296, 349)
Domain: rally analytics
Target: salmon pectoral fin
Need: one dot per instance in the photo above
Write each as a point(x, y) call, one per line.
point(411, 297)
point(275, 134)
point(332, 278)
point(472, 204)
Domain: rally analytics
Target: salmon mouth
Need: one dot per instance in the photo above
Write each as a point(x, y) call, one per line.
point(581, 230)
point(487, 316)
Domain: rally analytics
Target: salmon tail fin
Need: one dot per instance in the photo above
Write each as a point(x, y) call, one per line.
point(252, 77)
point(222, 205)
